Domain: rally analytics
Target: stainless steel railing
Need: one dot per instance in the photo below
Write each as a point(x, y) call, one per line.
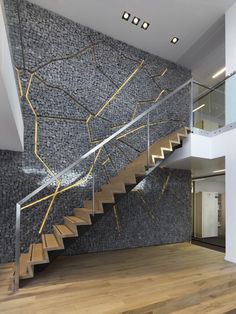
point(90, 153)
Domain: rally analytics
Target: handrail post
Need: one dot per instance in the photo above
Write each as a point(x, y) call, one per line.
point(148, 139)
point(93, 183)
point(191, 105)
point(17, 249)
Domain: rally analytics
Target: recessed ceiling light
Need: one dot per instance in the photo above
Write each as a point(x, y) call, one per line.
point(145, 25)
point(126, 16)
point(219, 73)
point(136, 20)
point(217, 171)
point(174, 40)
point(198, 108)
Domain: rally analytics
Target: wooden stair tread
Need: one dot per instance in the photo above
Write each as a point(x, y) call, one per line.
point(128, 176)
point(84, 209)
point(115, 188)
point(98, 209)
point(165, 142)
point(173, 137)
point(142, 160)
point(104, 196)
point(50, 242)
point(134, 168)
point(104, 193)
point(126, 180)
point(184, 130)
point(156, 151)
point(84, 213)
point(37, 255)
point(77, 220)
point(64, 231)
point(24, 258)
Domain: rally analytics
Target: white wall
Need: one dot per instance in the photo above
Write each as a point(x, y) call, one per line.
point(230, 39)
point(230, 53)
point(209, 185)
point(222, 145)
point(11, 121)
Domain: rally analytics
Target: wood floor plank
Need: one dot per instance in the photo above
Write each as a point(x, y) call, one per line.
point(181, 279)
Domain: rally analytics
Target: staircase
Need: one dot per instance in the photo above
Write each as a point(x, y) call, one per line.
point(53, 244)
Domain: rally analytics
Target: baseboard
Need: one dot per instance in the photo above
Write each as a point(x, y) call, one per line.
point(230, 259)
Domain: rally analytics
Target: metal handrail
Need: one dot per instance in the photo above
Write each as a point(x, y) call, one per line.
point(16, 277)
point(202, 85)
point(108, 139)
point(212, 88)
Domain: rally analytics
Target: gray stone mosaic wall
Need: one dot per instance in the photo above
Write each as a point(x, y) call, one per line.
point(78, 87)
point(157, 211)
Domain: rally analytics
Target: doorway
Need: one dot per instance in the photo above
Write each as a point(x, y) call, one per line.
point(208, 195)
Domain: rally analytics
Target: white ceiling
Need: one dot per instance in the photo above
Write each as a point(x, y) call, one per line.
point(200, 167)
point(187, 19)
point(207, 54)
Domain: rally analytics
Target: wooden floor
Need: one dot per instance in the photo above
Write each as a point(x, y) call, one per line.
point(180, 278)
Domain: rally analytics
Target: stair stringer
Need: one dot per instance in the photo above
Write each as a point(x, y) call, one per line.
point(105, 199)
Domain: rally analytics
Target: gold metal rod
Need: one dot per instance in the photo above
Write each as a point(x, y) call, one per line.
point(78, 53)
point(49, 209)
point(19, 82)
point(158, 97)
point(119, 89)
point(164, 72)
point(131, 131)
point(117, 218)
point(145, 102)
point(51, 195)
point(66, 188)
point(37, 155)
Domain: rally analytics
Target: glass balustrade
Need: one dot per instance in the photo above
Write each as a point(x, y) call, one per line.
point(214, 108)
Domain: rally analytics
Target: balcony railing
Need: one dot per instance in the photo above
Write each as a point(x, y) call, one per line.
point(214, 107)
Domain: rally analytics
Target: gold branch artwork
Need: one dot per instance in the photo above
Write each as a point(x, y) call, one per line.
point(33, 73)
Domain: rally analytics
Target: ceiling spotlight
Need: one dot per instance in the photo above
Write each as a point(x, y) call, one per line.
point(136, 20)
point(174, 40)
point(145, 25)
point(126, 16)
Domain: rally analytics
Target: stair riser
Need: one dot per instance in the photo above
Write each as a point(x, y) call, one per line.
point(97, 206)
point(114, 189)
point(105, 200)
point(81, 214)
point(71, 226)
point(123, 183)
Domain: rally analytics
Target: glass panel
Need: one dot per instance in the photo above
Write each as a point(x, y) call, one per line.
point(199, 90)
point(209, 109)
point(213, 108)
point(230, 96)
